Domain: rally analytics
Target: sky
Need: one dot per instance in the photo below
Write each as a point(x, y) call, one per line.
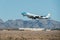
point(12, 9)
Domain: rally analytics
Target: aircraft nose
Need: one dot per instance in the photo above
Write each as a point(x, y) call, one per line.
point(24, 13)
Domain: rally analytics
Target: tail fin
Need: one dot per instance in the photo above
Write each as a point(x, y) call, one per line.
point(24, 13)
point(48, 15)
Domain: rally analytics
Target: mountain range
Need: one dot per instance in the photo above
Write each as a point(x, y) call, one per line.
point(19, 23)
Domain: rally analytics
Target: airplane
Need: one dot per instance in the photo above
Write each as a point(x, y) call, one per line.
point(33, 16)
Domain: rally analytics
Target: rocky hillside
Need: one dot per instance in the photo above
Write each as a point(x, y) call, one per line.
point(18, 23)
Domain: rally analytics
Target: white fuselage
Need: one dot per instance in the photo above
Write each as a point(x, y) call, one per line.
point(33, 16)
